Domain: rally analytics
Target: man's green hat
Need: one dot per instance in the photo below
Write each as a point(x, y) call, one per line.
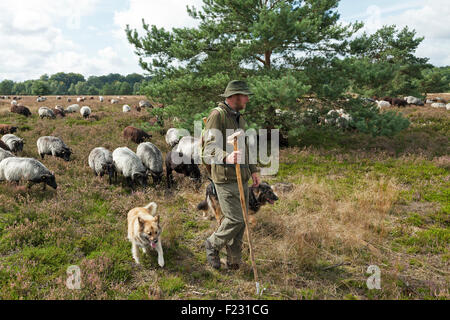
point(236, 87)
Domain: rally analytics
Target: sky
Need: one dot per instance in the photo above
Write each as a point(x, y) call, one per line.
point(87, 36)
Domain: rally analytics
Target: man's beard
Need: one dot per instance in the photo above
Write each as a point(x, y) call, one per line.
point(239, 105)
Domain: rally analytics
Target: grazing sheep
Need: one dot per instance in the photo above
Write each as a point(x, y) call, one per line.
point(45, 112)
point(441, 100)
point(14, 103)
point(152, 159)
point(85, 111)
point(190, 147)
point(136, 135)
point(59, 111)
point(81, 99)
point(53, 146)
point(73, 108)
point(414, 100)
point(21, 110)
point(5, 154)
point(58, 98)
point(101, 99)
point(14, 143)
point(41, 99)
point(6, 128)
point(382, 104)
point(28, 169)
point(438, 105)
point(388, 99)
point(126, 108)
point(447, 106)
point(101, 162)
point(399, 102)
point(174, 135)
point(130, 166)
point(114, 101)
point(429, 101)
point(4, 146)
point(145, 104)
point(176, 161)
point(338, 117)
point(69, 100)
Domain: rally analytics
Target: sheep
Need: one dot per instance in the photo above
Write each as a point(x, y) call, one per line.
point(69, 100)
point(101, 161)
point(81, 99)
point(21, 110)
point(6, 128)
point(382, 104)
point(174, 135)
point(114, 101)
point(5, 154)
point(13, 103)
point(136, 135)
point(190, 147)
point(45, 112)
point(429, 101)
point(178, 162)
point(59, 111)
point(414, 100)
point(85, 111)
point(73, 108)
point(152, 159)
point(53, 146)
point(14, 143)
point(126, 108)
point(438, 105)
point(399, 102)
point(58, 98)
point(145, 104)
point(388, 99)
point(441, 100)
point(338, 117)
point(447, 106)
point(28, 169)
point(101, 99)
point(41, 99)
point(130, 166)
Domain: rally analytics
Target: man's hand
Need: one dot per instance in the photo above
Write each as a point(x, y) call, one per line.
point(256, 179)
point(233, 157)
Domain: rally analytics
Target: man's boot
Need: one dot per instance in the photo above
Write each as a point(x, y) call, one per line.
point(212, 255)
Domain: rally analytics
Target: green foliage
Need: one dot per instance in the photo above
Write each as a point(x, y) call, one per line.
point(40, 88)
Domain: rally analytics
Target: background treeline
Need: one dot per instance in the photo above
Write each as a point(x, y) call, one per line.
point(75, 84)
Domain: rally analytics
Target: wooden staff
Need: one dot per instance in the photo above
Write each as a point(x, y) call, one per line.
point(244, 212)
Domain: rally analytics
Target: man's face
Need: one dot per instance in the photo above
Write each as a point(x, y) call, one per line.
point(240, 101)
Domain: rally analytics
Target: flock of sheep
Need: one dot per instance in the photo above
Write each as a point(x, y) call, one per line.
point(386, 102)
point(135, 167)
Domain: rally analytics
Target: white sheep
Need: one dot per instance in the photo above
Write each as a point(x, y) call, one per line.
point(130, 166)
point(101, 162)
point(382, 104)
point(45, 112)
point(438, 105)
point(126, 108)
point(174, 135)
point(28, 169)
point(414, 100)
point(101, 99)
point(41, 99)
point(81, 99)
point(152, 158)
point(114, 101)
point(85, 111)
point(190, 147)
point(14, 103)
point(53, 146)
point(14, 143)
point(73, 108)
point(447, 106)
point(145, 104)
point(5, 154)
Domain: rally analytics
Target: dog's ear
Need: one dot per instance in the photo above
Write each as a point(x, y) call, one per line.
point(141, 221)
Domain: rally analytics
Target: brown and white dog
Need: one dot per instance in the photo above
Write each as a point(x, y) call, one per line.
point(144, 231)
point(258, 196)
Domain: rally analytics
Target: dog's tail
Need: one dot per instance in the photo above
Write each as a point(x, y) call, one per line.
point(202, 205)
point(152, 206)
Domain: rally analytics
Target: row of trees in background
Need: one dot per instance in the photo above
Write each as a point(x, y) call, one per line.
point(296, 56)
point(75, 84)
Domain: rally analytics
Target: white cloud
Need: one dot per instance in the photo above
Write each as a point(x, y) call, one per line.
point(429, 19)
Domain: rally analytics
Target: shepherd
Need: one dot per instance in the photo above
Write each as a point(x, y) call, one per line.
point(223, 174)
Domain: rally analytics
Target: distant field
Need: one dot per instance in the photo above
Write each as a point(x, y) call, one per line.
point(362, 201)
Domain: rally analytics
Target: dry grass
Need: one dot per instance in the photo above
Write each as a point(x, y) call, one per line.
point(347, 210)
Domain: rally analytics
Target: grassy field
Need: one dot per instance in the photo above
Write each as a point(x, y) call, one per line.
point(356, 202)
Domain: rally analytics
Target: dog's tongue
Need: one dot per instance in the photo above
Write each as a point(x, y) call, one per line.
point(153, 245)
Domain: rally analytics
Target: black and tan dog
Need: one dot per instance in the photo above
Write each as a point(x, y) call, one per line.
point(258, 196)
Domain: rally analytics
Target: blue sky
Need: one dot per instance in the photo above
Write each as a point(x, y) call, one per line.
point(86, 36)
